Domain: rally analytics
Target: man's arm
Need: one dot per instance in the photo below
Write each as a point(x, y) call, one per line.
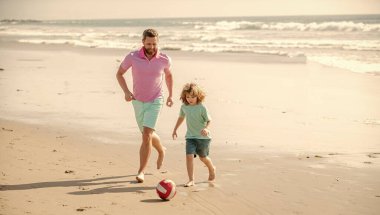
point(123, 84)
point(169, 84)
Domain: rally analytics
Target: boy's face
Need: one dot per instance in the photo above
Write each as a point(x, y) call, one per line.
point(191, 99)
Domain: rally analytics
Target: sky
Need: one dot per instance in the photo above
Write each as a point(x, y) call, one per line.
point(109, 9)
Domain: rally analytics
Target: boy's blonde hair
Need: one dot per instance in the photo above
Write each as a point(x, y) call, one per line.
point(194, 90)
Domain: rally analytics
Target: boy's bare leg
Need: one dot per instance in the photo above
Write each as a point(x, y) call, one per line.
point(211, 168)
point(160, 149)
point(145, 150)
point(190, 170)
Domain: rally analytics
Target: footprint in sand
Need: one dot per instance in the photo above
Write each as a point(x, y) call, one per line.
point(83, 209)
point(6, 129)
point(374, 155)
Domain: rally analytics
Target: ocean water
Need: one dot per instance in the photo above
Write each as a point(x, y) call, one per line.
point(350, 42)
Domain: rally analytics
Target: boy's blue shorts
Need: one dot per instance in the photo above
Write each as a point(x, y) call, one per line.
point(200, 147)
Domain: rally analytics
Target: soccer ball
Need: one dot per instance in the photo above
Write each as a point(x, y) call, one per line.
point(166, 189)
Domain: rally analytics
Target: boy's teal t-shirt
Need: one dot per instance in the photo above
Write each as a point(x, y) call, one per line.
point(197, 117)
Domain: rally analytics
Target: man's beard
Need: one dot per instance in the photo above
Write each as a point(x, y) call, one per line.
point(150, 51)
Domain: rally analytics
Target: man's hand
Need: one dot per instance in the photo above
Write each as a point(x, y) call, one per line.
point(129, 96)
point(169, 101)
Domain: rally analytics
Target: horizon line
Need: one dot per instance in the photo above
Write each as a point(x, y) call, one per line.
point(188, 17)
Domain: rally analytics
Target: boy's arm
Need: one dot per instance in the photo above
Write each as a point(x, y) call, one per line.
point(207, 124)
point(205, 131)
point(179, 122)
point(123, 84)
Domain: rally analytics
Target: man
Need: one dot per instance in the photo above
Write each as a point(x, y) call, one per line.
point(149, 66)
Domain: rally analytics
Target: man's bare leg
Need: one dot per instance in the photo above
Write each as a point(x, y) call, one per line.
point(145, 150)
point(160, 149)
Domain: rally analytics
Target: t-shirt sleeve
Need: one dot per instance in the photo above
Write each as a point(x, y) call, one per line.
point(206, 115)
point(181, 112)
point(127, 62)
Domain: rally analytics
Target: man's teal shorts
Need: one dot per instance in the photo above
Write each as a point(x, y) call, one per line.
point(147, 113)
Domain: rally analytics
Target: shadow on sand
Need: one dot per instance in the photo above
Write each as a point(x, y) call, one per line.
point(116, 181)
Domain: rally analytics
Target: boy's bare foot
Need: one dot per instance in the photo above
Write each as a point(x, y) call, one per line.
point(140, 177)
point(212, 174)
point(189, 184)
point(160, 159)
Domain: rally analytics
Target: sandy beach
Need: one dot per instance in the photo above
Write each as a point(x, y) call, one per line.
point(289, 137)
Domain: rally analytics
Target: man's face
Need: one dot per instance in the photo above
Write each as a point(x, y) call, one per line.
point(150, 45)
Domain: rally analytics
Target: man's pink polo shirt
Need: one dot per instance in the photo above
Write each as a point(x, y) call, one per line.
point(147, 74)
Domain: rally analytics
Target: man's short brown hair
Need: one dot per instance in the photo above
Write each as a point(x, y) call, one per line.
point(150, 33)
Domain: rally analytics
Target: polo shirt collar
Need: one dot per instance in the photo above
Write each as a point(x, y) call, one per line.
point(142, 54)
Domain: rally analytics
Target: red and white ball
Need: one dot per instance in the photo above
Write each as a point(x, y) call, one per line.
point(166, 189)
